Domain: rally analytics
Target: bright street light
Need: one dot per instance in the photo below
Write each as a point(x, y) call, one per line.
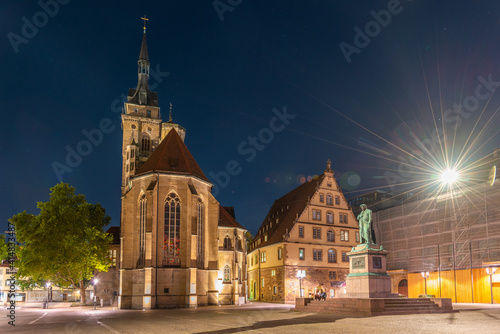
point(449, 176)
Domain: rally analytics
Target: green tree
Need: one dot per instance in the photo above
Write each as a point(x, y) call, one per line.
point(4, 253)
point(65, 243)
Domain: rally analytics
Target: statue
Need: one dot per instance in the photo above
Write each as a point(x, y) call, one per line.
point(365, 221)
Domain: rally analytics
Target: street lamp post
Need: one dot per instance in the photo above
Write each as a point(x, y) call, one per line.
point(48, 293)
point(425, 274)
point(491, 271)
point(95, 297)
point(300, 275)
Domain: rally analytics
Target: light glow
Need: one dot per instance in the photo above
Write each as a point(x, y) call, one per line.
point(449, 176)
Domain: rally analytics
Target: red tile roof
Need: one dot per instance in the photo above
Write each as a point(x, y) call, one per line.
point(172, 156)
point(226, 219)
point(284, 212)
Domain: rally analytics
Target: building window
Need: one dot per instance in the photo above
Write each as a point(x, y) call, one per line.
point(337, 200)
point(329, 217)
point(332, 256)
point(329, 199)
point(343, 218)
point(357, 236)
point(329, 185)
point(345, 258)
point(332, 293)
point(275, 290)
point(317, 255)
point(227, 274)
point(301, 231)
point(252, 261)
point(145, 144)
point(332, 275)
point(301, 254)
point(316, 233)
point(273, 272)
point(344, 235)
point(142, 230)
point(239, 245)
point(316, 215)
point(172, 231)
point(265, 238)
point(330, 236)
point(321, 198)
point(262, 283)
point(200, 254)
point(148, 113)
point(279, 253)
point(227, 242)
point(263, 257)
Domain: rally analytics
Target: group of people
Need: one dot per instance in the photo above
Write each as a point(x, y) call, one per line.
point(320, 295)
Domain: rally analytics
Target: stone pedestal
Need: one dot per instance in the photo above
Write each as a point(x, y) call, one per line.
point(368, 276)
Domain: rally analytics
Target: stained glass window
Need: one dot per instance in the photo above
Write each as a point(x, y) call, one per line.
point(142, 230)
point(227, 274)
point(172, 231)
point(200, 255)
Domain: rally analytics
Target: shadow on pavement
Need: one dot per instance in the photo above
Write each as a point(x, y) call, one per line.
point(307, 319)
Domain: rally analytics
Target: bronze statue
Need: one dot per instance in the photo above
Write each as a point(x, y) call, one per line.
point(365, 221)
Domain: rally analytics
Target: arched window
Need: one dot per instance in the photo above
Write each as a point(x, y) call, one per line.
point(172, 231)
point(200, 254)
point(337, 200)
point(227, 242)
point(142, 230)
point(329, 217)
point(332, 256)
point(227, 274)
point(238, 245)
point(330, 236)
point(145, 144)
point(329, 199)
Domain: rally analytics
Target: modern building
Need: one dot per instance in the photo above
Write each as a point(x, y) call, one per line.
point(172, 252)
point(308, 231)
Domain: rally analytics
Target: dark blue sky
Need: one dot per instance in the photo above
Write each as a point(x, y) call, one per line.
point(64, 73)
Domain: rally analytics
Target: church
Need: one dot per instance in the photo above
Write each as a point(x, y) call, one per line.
point(178, 246)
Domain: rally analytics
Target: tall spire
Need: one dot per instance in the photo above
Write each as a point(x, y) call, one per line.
point(142, 94)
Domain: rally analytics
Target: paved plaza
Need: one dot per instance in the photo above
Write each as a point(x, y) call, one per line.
point(252, 317)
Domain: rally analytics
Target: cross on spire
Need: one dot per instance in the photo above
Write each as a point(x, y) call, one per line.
point(144, 19)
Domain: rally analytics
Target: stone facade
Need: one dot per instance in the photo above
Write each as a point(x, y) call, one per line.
point(170, 235)
point(311, 229)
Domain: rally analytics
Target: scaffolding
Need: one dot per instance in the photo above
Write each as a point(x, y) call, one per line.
point(459, 229)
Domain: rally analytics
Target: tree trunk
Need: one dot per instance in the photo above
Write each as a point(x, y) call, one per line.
point(83, 296)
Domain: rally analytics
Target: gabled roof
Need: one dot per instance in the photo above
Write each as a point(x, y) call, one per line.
point(284, 212)
point(115, 231)
point(173, 157)
point(226, 219)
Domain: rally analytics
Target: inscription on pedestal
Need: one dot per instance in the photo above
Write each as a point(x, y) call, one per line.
point(358, 263)
point(377, 262)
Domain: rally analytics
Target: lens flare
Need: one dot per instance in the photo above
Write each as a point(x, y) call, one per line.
point(449, 176)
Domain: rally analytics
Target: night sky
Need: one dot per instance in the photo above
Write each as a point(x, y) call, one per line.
point(364, 83)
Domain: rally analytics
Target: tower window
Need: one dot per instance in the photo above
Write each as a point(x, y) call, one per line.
point(148, 113)
point(145, 144)
point(227, 242)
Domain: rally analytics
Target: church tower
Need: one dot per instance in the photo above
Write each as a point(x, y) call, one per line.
point(179, 247)
point(141, 120)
